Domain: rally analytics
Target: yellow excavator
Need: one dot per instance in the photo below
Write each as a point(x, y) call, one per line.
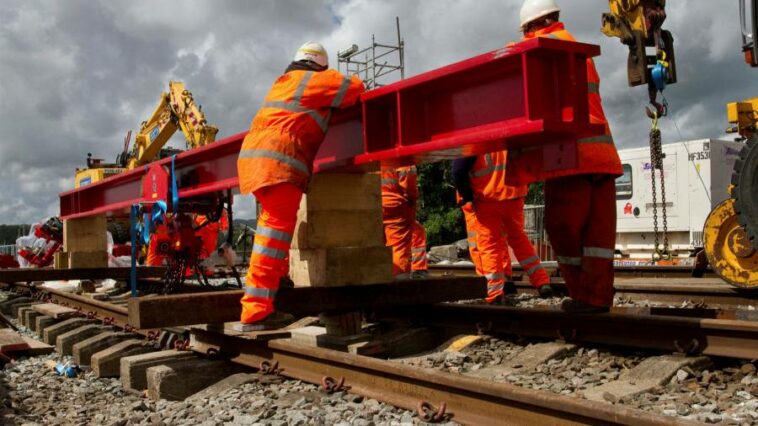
point(176, 109)
point(731, 229)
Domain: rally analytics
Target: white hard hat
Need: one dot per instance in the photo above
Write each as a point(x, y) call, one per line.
point(313, 52)
point(535, 9)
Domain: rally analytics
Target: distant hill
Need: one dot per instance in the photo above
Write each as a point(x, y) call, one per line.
point(9, 233)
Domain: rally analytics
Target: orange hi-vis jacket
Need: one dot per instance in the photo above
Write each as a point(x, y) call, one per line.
point(399, 186)
point(596, 154)
point(289, 128)
point(487, 178)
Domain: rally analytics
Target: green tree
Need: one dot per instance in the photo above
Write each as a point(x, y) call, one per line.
point(438, 212)
point(536, 195)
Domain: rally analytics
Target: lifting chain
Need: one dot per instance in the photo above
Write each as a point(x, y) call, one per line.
point(656, 163)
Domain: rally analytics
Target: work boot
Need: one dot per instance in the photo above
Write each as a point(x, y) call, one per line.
point(572, 306)
point(274, 321)
point(286, 282)
point(545, 291)
point(509, 288)
point(420, 275)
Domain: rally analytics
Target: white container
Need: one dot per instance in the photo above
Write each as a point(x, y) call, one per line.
point(697, 175)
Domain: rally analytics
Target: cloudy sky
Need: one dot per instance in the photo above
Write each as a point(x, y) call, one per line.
point(75, 75)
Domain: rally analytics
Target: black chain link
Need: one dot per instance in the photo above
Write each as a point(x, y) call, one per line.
point(656, 163)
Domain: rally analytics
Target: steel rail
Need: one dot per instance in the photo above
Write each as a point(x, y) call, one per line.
point(10, 276)
point(712, 337)
point(470, 401)
point(639, 271)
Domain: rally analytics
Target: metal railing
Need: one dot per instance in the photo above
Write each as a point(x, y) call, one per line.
point(534, 226)
point(9, 249)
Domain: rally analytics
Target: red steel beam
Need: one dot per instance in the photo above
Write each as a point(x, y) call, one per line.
point(533, 94)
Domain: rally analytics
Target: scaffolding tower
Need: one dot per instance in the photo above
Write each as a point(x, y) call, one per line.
point(373, 63)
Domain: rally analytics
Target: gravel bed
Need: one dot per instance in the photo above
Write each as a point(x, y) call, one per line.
point(567, 376)
point(34, 395)
point(726, 393)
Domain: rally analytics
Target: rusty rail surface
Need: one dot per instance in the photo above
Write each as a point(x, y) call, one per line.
point(712, 337)
point(48, 274)
point(639, 271)
point(468, 400)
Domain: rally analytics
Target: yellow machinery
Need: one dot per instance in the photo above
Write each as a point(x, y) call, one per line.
point(731, 230)
point(176, 110)
point(637, 23)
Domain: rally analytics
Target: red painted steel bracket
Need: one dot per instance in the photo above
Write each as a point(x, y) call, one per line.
point(532, 95)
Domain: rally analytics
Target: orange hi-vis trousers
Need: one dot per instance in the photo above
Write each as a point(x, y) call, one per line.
point(398, 225)
point(580, 219)
point(418, 248)
point(270, 257)
point(472, 230)
point(496, 217)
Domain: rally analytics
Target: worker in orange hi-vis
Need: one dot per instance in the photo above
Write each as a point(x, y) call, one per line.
point(208, 231)
point(580, 202)
point(158, 247)
point(472, 230)
point(498, 208)
point(399, 196)
point(275, 164)
point(419, 260)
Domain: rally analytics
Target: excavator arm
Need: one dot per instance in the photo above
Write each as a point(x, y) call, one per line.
point(176, 109)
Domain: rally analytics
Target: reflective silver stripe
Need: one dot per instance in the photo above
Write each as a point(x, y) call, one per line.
point(599, 252)
point(530, 260)
point(278, 156)
point(295, 106)
point(341, 93)
point(418, 258)
point(260, 292)
point(270, 252)
point(322, 122)
point(471, 234)
point(553, 36)
point(389, 181)
point(597, 139)
point(593, 87)
point(404, 173)
point(491, 168)
point(472, 244)
point(496, 276)
point(418, 250)
point(534, 269)
point(274, 234)
point(301, 87)
point(495, 288)
point(573, 261)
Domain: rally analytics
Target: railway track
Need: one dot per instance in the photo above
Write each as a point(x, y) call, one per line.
point(672, 285)
point(725, 331)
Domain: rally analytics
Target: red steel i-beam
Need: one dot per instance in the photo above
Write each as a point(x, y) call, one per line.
point(533, 94)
